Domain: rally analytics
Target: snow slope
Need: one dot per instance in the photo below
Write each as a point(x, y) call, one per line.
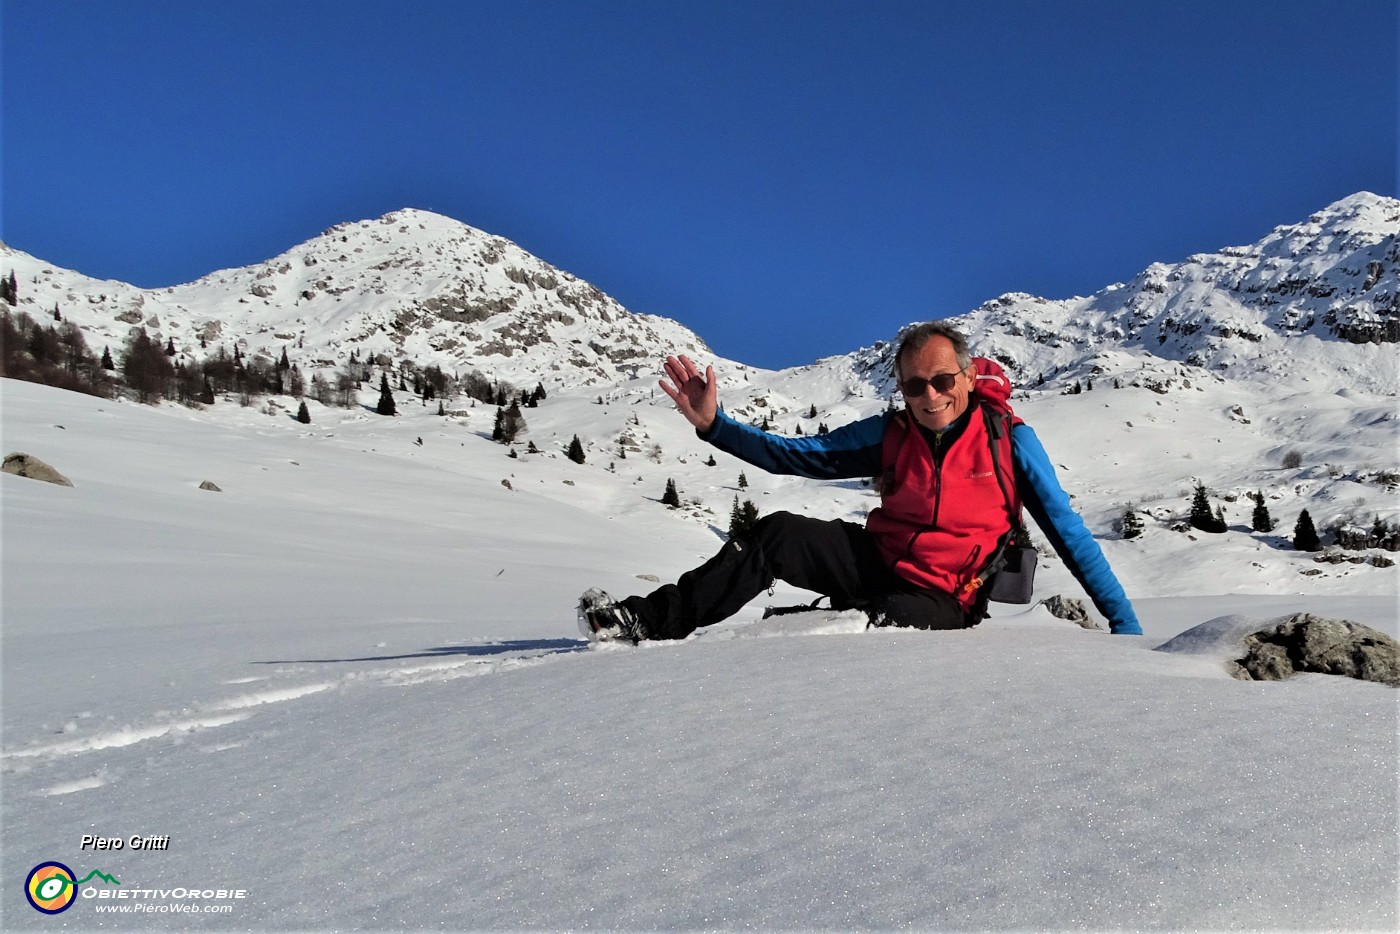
point(350, 686)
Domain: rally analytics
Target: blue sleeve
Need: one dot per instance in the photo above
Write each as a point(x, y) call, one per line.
point(1048, 503)
point(850, 451)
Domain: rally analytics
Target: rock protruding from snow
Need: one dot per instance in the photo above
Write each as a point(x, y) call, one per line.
point(211, 486)
point(1069, 608)
point(1304, 642)
point(26, 465)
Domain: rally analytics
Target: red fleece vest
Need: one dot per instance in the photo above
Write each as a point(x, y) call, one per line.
point(940, 521)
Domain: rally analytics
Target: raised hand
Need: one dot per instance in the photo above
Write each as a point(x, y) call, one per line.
point(695, 396)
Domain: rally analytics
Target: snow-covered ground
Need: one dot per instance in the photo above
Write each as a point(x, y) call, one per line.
point(350, 686)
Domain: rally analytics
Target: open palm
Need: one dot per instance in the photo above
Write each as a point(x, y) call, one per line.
point(694, 393)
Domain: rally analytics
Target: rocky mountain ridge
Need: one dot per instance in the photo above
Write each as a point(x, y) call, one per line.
point(1313, 302)
point(1316, 302)
point(408, 286)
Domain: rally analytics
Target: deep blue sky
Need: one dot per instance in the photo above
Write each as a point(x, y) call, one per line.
point(789, 179)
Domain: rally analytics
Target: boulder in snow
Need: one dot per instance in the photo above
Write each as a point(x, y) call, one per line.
point(1069, 608)
point(25, 465)
point(211, 486)
point(1304, 642)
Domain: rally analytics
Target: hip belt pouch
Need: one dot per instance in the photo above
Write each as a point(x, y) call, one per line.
point(1015, 582)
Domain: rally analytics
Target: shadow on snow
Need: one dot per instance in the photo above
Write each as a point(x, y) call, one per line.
point(534, 646)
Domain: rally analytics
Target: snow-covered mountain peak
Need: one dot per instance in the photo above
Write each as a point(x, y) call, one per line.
point(1313, 304)
point(1316, 302)
point(409, 287)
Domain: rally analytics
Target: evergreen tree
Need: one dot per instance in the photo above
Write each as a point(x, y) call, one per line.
point(386, 397)
point(11, 289)
point(145, 368)
point(1379, 533)
point(576, 450)
point(1131, 523)
point(170, 347)
point(1305, 534)
point(107, 363)
point(743, 481)
point(1201, 515)
point(304, 414)
point(671, 497)
point(711, 462)
point(509, 424)
point(1261, 521)
point(812, 412)
point(742, 518)
point(515, 421)
point(57, 315)
point(284, 364)
point(821, 428)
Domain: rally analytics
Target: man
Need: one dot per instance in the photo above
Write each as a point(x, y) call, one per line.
point(921, 557)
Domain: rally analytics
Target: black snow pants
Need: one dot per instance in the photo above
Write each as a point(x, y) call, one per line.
point(831, 557)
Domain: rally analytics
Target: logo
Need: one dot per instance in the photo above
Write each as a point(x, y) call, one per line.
point(51, 887)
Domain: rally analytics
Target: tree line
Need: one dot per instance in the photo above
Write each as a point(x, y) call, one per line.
point(1348, 535)
point(57, 354)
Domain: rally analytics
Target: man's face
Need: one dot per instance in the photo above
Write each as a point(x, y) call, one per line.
point(931, 408)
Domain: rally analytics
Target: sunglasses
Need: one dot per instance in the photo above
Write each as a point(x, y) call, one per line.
point(916, 386)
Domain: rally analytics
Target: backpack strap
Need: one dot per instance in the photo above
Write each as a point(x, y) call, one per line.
point(999, 425)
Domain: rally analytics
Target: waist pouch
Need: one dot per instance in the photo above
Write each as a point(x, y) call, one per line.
point(1015, 581)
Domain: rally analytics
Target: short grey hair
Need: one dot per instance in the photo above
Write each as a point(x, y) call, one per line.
point(917, 335)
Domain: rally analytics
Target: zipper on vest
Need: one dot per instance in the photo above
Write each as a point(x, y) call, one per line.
point(936, 448)
point(937, 477)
